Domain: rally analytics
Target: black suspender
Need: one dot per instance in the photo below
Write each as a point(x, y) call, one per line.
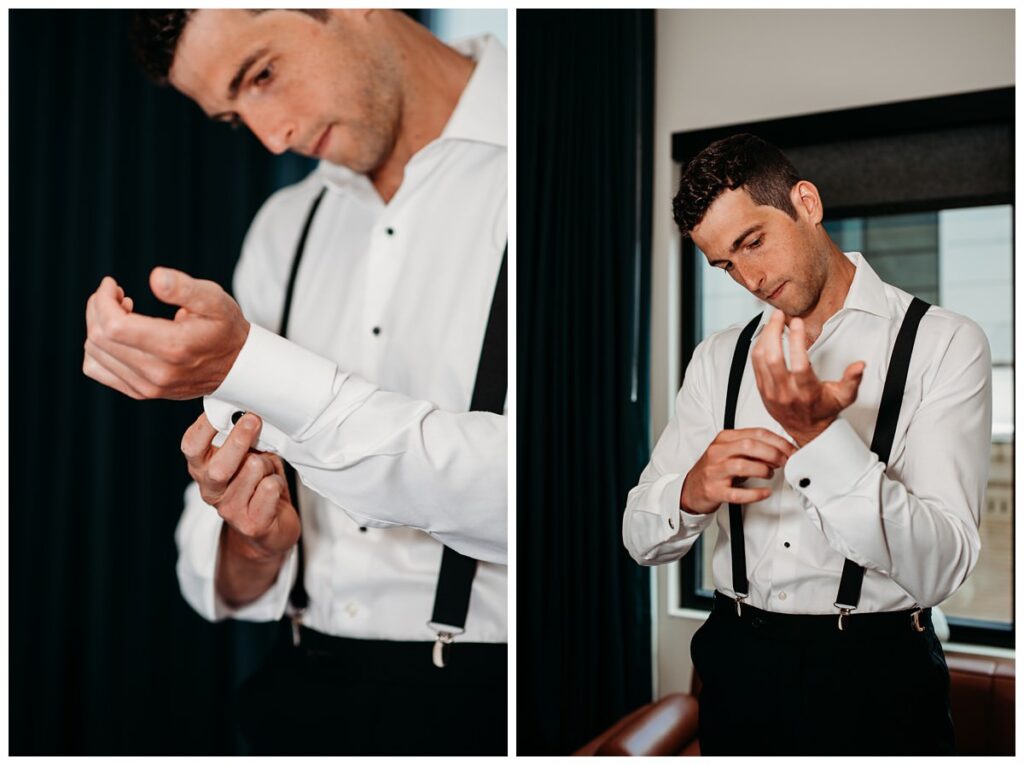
point(885, 431)
point(455, 579)
point(881, 443)
point(298, 596)
point(739, 360)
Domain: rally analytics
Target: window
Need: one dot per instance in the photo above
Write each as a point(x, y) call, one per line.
point(955, 250)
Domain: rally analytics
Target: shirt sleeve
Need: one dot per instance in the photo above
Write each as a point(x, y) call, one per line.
point(198, 540)
point(920, 528)
point(386, 459)
point(654, 527)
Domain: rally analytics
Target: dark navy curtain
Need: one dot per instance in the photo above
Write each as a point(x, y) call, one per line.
point(110, 175)
point(585, 120)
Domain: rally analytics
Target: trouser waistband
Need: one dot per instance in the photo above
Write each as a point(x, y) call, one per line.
point(824, 626)
point(482, 663)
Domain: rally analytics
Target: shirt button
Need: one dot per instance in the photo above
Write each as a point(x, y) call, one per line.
point(376, 330)
point(351, 609)
point(785, 544)
point(782, 596)
point(805, 482)
point(389, 231)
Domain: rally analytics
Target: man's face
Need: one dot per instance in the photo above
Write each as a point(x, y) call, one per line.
point(778, 259)
point(328, 90)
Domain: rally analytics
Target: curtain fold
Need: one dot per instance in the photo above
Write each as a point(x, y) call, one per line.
point(585, 121)
point(110, 175)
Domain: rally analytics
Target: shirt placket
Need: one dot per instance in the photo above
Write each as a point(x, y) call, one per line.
point(386, 249)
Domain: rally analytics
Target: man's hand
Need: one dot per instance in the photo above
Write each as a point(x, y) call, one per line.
point(248, 488)
point(795, 398)
point(145, 357)
point(732, 457)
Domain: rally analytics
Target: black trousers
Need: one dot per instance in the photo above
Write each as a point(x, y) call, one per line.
point(341, 696)
point(818, 692)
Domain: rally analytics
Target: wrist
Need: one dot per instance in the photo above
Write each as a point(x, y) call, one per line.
point(803, 436)
point(238, 545)
point(685, 504)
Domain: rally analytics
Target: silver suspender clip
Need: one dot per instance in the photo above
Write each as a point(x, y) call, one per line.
point(296, 621)
point(442, 646)
point(739, 600)
point(843, 611)
point(915, 619)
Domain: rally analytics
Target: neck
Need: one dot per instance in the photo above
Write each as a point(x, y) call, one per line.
point(838, 278)
point(433, 77)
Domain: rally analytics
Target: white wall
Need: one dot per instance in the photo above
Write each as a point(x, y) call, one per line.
point(722, 67)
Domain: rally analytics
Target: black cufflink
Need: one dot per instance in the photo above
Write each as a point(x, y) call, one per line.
point(236, 417)
point(805, 482)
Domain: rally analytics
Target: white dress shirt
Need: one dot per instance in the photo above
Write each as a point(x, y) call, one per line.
point(368, 396)
point(913, 525)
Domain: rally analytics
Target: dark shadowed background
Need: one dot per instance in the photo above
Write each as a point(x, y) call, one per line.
point(585, 106)
point(110, 175)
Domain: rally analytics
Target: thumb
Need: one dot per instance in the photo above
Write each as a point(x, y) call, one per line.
point(850, 383)
point(854, 372)
point(178, 288)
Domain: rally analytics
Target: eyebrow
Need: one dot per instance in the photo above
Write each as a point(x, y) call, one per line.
point(243, 68)
point(737, 242)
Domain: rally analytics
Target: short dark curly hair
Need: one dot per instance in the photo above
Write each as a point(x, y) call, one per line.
point(741, 160)
point(155, 35)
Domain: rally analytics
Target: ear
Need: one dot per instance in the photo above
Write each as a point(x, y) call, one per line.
point(805, 198)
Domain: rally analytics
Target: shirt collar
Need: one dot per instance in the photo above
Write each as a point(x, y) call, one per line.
point(866, 293)
point(481, 113)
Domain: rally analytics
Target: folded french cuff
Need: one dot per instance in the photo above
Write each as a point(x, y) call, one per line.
point(269, 606)
point(831, 465)
point(673, 517)
point(285, 384)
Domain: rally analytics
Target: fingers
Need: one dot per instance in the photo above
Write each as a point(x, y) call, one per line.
point(262, 507)
point(799, 364)
point(743, 496)
point(737, 467)
point(226, 461)
point(238, 494)
point(847, 387)
point(198, 440)
point(175, 287)
point(755, 441)
point(96, 371)
point(140, 387)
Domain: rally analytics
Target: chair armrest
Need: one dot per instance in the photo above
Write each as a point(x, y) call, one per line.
point(663, 727)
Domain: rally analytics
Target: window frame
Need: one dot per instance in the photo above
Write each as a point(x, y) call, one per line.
point(964, 110)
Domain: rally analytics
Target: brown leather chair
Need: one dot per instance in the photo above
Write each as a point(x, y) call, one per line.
point(981, 696)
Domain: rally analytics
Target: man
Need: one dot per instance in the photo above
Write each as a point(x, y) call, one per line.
point(401, 232)
point(835, 544)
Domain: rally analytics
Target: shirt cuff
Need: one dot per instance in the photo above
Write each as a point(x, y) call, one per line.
point(829, 466)
point(269, 606)
point(285, 384)
point(199, 543)
point(673, 517)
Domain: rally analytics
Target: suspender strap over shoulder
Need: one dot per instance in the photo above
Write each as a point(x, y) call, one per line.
point(885, 429)
point(455, 581)
point(737, 547)
point(298, 597)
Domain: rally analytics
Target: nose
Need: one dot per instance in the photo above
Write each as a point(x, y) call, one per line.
point(751, 278)
point(274, 132)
